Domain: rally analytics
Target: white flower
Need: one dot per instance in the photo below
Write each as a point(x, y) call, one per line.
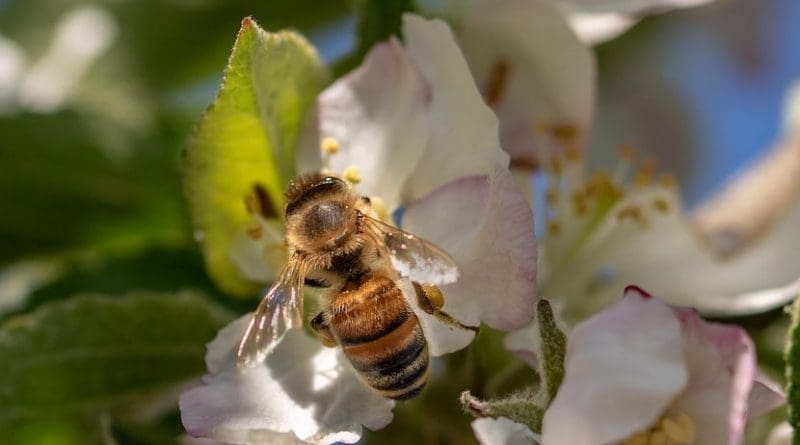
point(502, 431)
point(532, 70)
point(642, 368)
point(642, 372)
point(410, 130)
point(603, 234)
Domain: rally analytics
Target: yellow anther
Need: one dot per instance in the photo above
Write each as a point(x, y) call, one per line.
point(657, 438)
point(639, 439)
point(675, 432)
point(645, 175)
point(627, 152)
point(557, 166)
point(377, 204)
point(580, 203)
point(634, 213)
point(571, 153)
point(551, 195)
point(255, 231)
point(564, 131)
point(352, 175)
point(687, 425)
point(661, 204)
point(667, 181)
point(553, 227)
point(329, 145)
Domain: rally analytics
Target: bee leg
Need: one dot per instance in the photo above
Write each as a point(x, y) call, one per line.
point(431, 300)
point(321, 326)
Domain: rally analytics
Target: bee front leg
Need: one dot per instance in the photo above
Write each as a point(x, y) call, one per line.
point(321, 326)
point(431, 300)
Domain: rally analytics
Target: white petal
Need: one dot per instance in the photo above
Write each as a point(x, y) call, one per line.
point(665, 256)
point(463, 138)
point(632, 6)
point(623, 368)
point(598, 27)
point(722, 369)
point(765, 396)
point(502, 431)
point(376, 115)
point(302, 388)
point(486, 225)
point(260, 259)
point(549, 79)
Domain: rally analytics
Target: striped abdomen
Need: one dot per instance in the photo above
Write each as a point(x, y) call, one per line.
point(381, 337)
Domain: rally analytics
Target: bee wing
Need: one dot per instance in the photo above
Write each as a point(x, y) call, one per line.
point(413, 257)
point(280, 309)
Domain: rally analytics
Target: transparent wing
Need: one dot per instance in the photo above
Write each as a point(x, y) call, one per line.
point(280, 309)
point(413, 257)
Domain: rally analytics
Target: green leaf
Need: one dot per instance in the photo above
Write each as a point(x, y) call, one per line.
point(91, 354)
point(247, 138)
point(521, 407)
point(793, 372)
point(554, 346)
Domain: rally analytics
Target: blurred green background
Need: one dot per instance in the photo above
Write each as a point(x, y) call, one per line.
point(97, 100)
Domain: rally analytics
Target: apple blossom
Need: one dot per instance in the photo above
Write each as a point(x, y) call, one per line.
point(410, 130)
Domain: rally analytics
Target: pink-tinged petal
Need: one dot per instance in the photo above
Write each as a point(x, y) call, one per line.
point(623, 368)
point(765, 396)
point(486, 225)
point(302, 388)
point(533, 71)
point(722, 369)
point(502, 431)
point(598, 27)
point(376, 115)
point(463, 138)
point(525, 343)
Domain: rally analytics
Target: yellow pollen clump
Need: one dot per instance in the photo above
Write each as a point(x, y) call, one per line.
point(667, 181)
point(645, 175)
point(553, 227)
point(678, 429)
point(634, 213)
point(580, 203)
point(551, 195)
point(377, 204)
point(627, 152)
point(255, 231)
point(352, 175)
point(329, 145)
point(661, 204)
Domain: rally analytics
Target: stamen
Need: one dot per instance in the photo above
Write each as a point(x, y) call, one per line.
point(553, 227)
point(645, 175)
point(255, 231)
point(377, 204)
point(661, 204)
point(679, 429)
point(329, 146)
point(352, 175)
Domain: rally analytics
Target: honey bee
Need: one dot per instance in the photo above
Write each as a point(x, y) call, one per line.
point(336, 242)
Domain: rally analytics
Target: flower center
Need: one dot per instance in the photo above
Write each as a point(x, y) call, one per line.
point(675, 429)
point(329, 147)
point(589, 216)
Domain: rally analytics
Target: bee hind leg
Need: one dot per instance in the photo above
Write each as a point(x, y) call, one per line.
point(431, 300)
point(320, 324)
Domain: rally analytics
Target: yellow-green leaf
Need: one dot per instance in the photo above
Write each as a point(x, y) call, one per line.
point(248, 137)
